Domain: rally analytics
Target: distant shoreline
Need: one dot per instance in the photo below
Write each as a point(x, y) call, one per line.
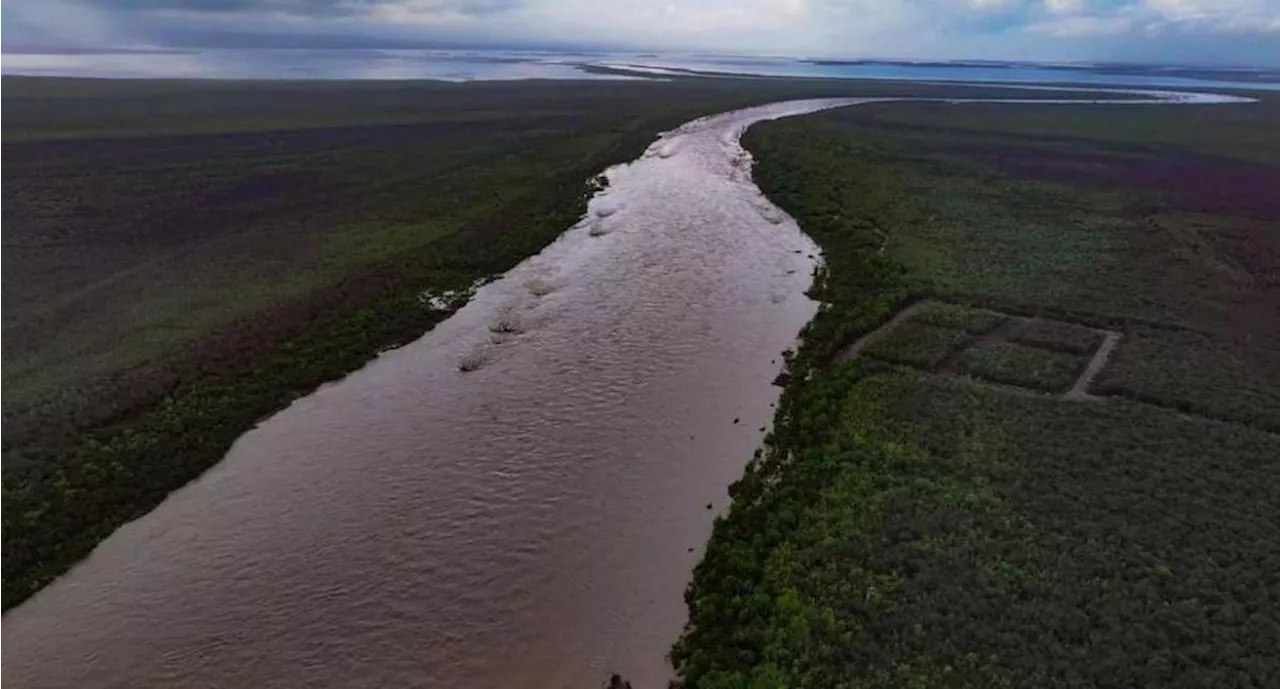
point(366, 64)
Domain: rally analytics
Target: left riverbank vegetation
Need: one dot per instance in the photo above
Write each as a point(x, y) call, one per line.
point(181, 258)
point(936, 510)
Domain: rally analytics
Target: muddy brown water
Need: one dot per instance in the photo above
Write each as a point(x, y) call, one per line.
point(529, 523)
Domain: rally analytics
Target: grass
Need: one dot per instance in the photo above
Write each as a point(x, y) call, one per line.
point(1028, 367)
point(916, 344)
point(906, 529)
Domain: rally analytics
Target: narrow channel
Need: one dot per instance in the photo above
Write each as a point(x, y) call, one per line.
point(531, 521)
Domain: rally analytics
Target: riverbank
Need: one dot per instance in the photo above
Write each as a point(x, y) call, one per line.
point(531, 519)
point(184, 258)
point(253, 242)
point(938, 511)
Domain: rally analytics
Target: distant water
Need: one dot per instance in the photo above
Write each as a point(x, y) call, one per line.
point(473, 65)
point(445, 65)
point(1259, 79)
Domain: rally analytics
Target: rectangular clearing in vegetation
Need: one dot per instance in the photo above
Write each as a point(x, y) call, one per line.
point(916, 344)
point(1015, 364)
point(1038, 353)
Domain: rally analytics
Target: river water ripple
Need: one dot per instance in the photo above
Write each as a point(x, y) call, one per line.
point(529, 523)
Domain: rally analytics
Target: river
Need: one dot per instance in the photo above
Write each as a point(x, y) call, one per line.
point(528, 523)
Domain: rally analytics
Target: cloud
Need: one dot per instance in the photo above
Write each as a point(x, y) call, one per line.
point(1154, 18)
point(389, 14)
point(61, 23)
point(1064, 6)
point(303, 8)
point(993, 5)
point(1183, 30)
point(1230, 16)
point(1085, 25)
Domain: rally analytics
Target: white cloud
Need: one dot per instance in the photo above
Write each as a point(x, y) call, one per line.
point(994, 5)
point(855, 27)
point(1074, 19)
point(1064, 6)
point(1084, 26)
point(1233, 16)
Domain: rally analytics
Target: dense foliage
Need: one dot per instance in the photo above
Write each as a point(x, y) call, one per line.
point(1198, 374)
point(1029, 367)
point(959, 317)
point(914, 530)
point(917, 344)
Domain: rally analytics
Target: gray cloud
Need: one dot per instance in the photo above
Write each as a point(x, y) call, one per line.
point(1211, 31)
point(53, 25)
point(303, 8)
point(38, 24)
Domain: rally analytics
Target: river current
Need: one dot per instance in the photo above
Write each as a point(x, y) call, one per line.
point(516, 499)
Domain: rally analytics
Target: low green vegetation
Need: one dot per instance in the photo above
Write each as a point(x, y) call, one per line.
point(902, 528)
point(1029, 367)
point(1237, 133)
point(1197, 374)
point(916, 344)
point(958, 316)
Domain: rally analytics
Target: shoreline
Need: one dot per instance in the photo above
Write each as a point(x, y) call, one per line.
point(330, 349)
point(214, 390)
point(800, 585)
point(419, 462)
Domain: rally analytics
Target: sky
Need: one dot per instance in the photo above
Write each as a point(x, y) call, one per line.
point(1241, 32)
